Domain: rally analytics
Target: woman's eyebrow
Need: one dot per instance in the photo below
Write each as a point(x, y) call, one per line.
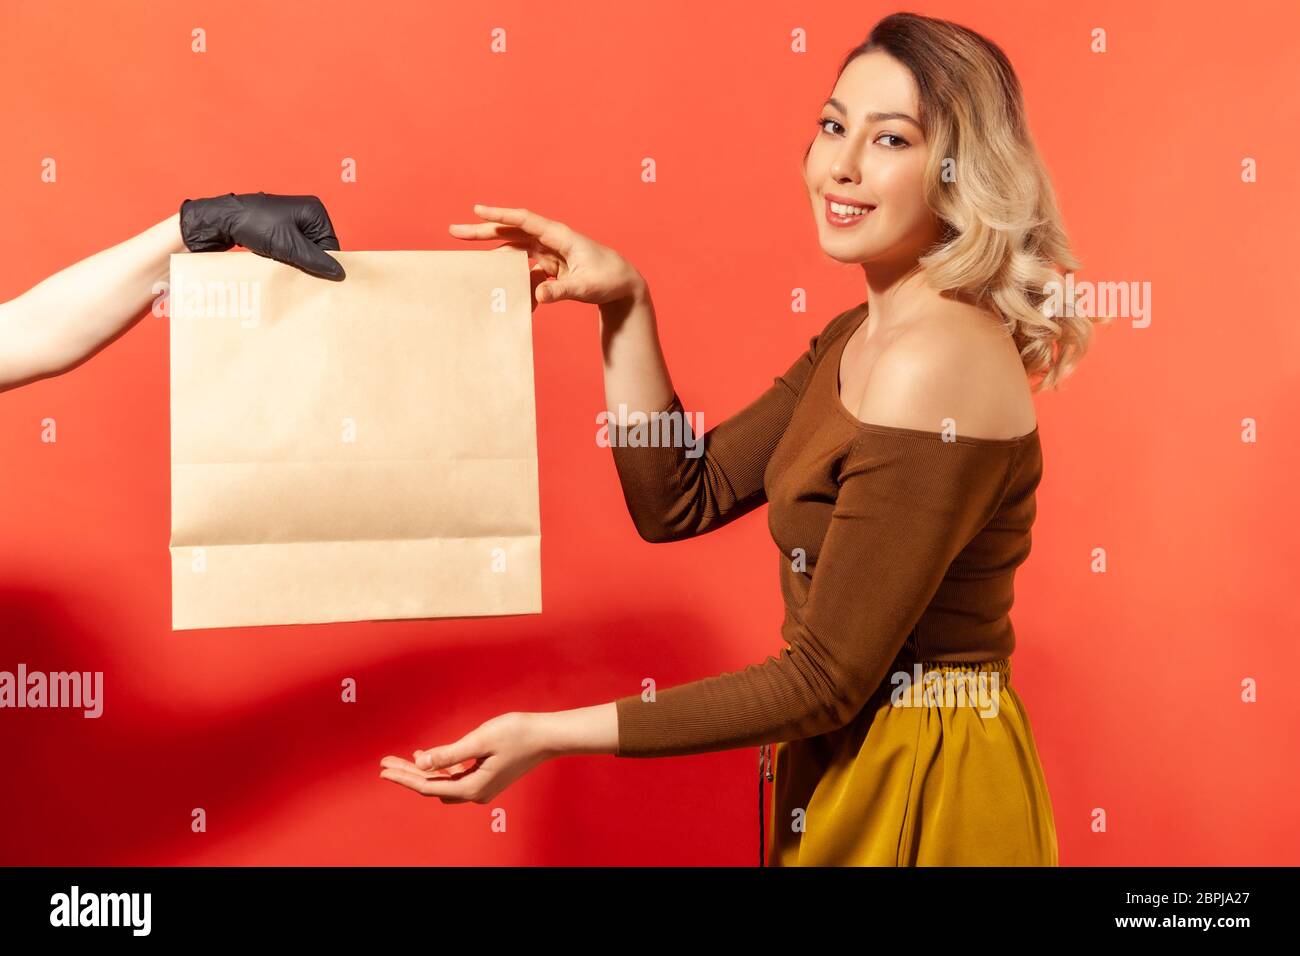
point(873, 117)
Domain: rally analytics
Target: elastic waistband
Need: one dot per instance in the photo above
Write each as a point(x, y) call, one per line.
point(1002, 665)
point(909, 665)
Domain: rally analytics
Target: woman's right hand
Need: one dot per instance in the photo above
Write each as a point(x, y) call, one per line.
point(569, 265)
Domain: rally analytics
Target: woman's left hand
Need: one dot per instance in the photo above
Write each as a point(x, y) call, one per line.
point(478, 766)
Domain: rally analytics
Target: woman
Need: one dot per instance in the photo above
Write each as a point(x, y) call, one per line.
point(65, 319)
point(900, 455)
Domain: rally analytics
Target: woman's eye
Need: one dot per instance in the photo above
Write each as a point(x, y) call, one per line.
point(900, 139)
point(822, 123)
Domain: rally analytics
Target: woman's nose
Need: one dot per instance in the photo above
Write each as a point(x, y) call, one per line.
point(845, 167)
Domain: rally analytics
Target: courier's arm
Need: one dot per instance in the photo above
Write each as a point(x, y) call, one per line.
point(65, 319)
point(59, 323)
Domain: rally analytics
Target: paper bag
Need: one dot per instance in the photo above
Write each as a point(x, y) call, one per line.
point(354, 450)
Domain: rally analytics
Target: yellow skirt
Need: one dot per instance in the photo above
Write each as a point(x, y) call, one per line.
point(939, 771)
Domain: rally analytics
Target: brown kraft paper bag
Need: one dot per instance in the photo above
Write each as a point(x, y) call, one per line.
point(354, 450)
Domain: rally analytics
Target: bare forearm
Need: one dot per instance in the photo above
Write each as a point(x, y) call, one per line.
point(67, 317)
point(636, 375)
point(583, 730)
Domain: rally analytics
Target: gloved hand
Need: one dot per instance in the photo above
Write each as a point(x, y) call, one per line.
point(291, 229)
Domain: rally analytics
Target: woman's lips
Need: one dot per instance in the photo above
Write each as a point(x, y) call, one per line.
point(843, 222)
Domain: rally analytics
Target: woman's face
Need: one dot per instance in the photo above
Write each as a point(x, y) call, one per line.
point(870, 153)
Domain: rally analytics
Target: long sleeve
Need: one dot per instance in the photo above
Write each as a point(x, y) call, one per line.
point(907, 504)
point(672, 495)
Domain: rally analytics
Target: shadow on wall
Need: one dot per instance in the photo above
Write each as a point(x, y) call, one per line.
point(119, 790)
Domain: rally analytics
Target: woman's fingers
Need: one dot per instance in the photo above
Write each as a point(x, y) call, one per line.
point(495, 752)
point(464, 752)
point(433, 773)
point(546, 241)
point(548, 261)
point(555, 234)
point(536, 276)
point(513, 236)
point(552, 290)
point(490, 230)
point(401, 763)
point(457, 791)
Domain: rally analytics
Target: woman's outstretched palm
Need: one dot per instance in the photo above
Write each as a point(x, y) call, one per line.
point(569, 265)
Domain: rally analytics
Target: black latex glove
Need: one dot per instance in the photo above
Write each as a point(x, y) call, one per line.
point(292, 229)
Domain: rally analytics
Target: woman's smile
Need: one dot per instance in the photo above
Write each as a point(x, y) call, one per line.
point(843, 212)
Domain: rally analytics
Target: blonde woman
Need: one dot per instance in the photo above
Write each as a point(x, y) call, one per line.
point(900, 456)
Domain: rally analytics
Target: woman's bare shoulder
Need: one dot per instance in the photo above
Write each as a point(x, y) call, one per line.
point(957, 364)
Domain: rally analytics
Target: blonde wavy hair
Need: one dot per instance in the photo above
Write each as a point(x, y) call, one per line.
point(1003, 239)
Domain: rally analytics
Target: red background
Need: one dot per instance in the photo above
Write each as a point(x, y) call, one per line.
point(1132, 677)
